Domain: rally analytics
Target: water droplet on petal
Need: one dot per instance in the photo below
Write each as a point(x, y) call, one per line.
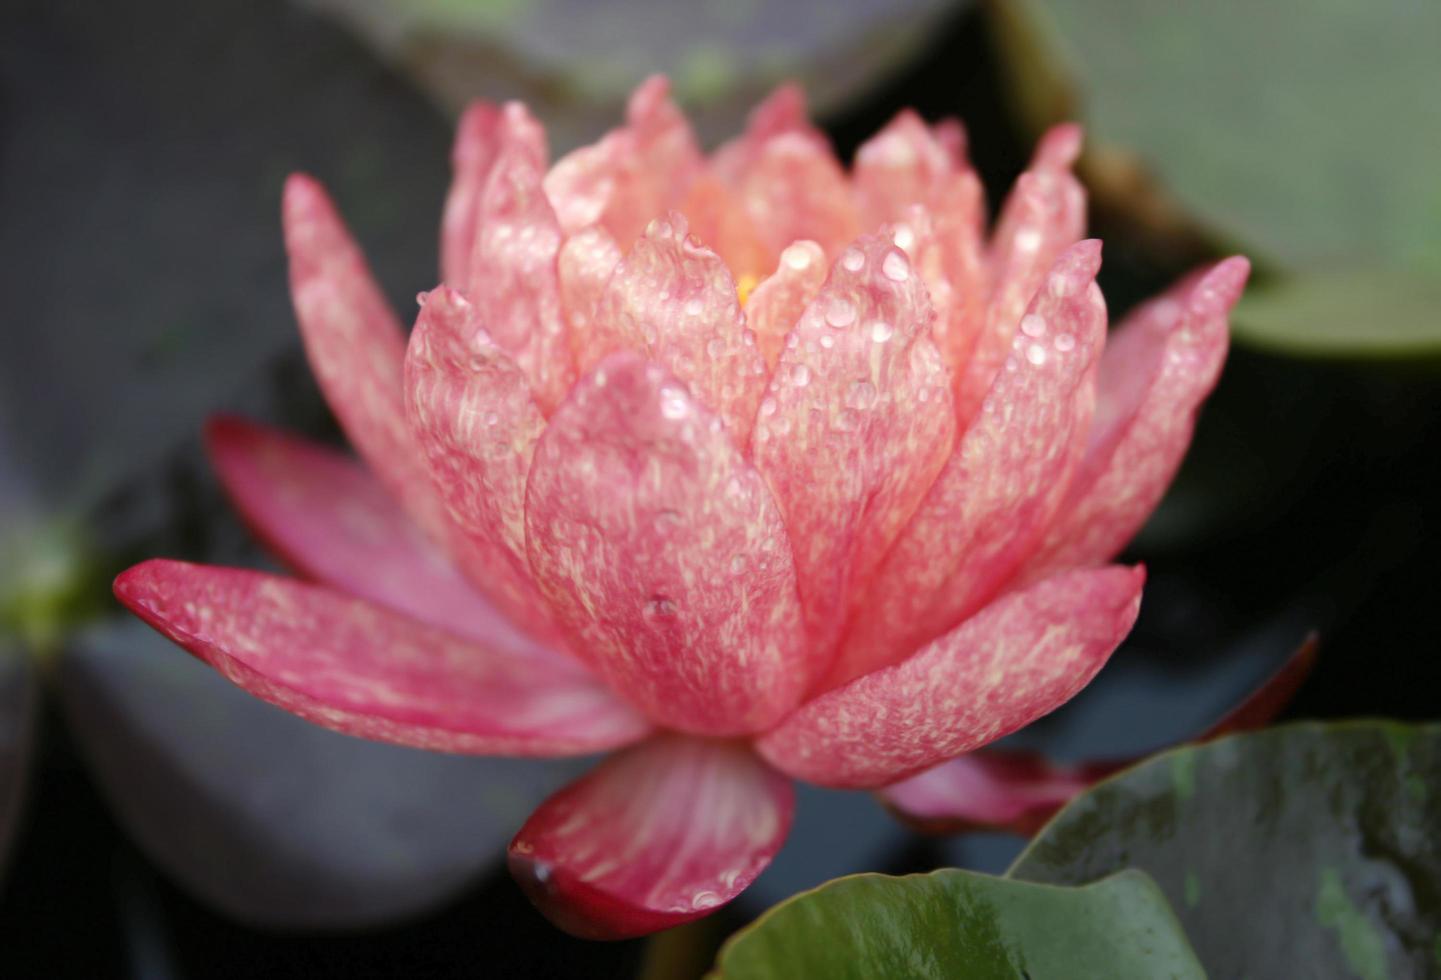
point(768, 407)
point(673, 403)
point(800, 375)
point(420, 298)
point(904, 237)
point(738, 564)
point(881, 331)
point(666, 520)
point(694, 306)
point(827, 341)
point(659, 607)
point(1033, 325)
point(840, 312)
point(798, 257)
point(853, 260)
point(1036, 354)
point(861, 394)
point(895, 267)
point(1064, 342)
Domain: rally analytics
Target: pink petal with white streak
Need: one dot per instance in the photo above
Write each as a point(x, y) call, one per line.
point(659, 835)
point(471, 412)
point(675, 299)
point(855, 425)
point(513, 281)
point(356, 347)
point(1157, 369)
point(998, 492)
point(476, 143)
point(1017, 659)
point(661, 550)
point(364, 670)
point(777, 303)
point(327, 518)
point(1044, 215)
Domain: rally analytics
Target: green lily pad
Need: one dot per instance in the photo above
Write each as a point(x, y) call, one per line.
point(954, 923)
point(1310, 139)
point(1303, 850)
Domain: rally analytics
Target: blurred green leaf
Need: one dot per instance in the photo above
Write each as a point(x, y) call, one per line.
point(1308, 136)
point(953, 923)
point(1307, 844)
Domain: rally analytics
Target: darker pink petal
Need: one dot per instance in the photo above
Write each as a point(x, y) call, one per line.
point(363, 670)
point(777, 303)
point(471, 412)
point(662, 551)
point(476, 144)
point(1044, 215)
point(675, 300)
point(329, 519)
point(659, 835)
point(1017, 659)
point(985, 512)
point(513, 280)
point(1158, 368)
point(1017, 790)
point(356, 347)
point(854, 426)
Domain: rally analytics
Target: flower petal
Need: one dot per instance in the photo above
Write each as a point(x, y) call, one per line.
point(1019, 790)
point(361, 669)
point(1044, 215)
point(783, 111)
point(997, 493)
point(795, 188)
point(1017, 659)
point(513, 280)
point(471, 411)
point(855, 425)
point(586, 262)
point(676, 300)
point(898, 167)
point(1157, 369)
point(717, 219)
point(476, 144)
point(777, 303)
point(661, 834)
point(661, 550)
point(325, 516)
point(634, 174)
point(356, 347)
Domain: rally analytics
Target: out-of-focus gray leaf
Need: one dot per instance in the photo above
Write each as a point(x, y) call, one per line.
point(575, 61)
point(19, 703)
point(271, 819)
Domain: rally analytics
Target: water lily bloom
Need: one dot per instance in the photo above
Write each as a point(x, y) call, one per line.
point(749, 467)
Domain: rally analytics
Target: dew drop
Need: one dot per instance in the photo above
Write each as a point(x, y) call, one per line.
point(1033, 325)
point(738, 564)
point(904, 237)
point(420, 298)
point(800, 375)
point(694, 306)
point(881, 331)
point(861, 394)
point(846, 420)
point(1028, 240)
point(797, 257)
point(659, 228)
point(827, 341)
point(840, 313)
point(768, 407)
point(895, 267)
point(659, 607)
point(1064, 342)
point(492, 419)
point(673, 403)
point(1036, 354)
point(853, 260)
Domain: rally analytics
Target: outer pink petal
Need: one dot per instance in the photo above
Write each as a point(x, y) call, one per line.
point(898, 167)
point(476, 143)
point(675, 299)
point(513, 281)
point(586, 262)
point(356, 347)
point(1158, 368)
point(777, 303)
point(329, 519)
point(471, 411)
point(1044, 215)
point(662, 551)
point(361, 669)
point(1019, 658)
point(659, 835)
point(634, 174)
point(999, 490)
point(1017, 790)
point(855, 425)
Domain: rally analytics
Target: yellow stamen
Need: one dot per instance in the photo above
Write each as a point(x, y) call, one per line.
point(744, 285)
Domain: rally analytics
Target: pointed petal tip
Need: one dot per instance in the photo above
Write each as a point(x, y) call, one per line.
point(1060, 147)
point(302, 194)
point(1224, 282)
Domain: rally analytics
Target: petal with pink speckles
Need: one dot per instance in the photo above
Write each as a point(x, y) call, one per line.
point(364, 670)
point(662, 552)
point(471, 157)
point(675, 300)
point(329, 519)
point(661, 834)
point(898, 167)
point(586, 262)
point(1157, 369)
point(986, 510)
point(356, 347)
point(777, 303)
point(471, 411)
point(513, 280)
point(795, 188)
point(854, 426)
point(1017, 659)
point(1044, 215)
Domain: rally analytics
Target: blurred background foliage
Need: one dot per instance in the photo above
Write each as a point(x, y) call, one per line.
point(196, 832)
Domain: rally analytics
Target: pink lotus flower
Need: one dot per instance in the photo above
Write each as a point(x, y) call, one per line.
point(749, 466)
